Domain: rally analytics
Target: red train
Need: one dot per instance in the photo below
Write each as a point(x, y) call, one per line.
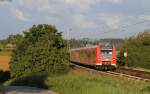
point(103, 58)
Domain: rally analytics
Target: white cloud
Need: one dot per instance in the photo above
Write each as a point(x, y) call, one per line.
point(145, 17)
point(83, 23)
point(39, 5)
point(45, 7)
point(18, 14)
point(82, 4)
point(86, 4)
point(4, 3)
point(114, 1)
point(112, 21)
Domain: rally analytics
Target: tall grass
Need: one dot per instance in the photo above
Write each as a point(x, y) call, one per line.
point(77, 82)
point(85, 83)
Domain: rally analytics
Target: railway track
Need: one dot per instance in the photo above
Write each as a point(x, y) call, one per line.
point(129, 73)
point(132, 72)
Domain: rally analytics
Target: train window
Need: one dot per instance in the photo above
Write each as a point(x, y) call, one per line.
point(106, 53)
point(110, 52)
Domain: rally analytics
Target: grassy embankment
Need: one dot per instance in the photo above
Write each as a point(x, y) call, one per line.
point(87, 83)
point(77, 82)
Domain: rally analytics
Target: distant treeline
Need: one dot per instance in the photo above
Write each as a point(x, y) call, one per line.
point(76, 43)
point(10, 42)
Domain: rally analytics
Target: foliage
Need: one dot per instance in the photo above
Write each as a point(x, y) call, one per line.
point(121, 59)
point(10, 42)
point(5, 53)
point(42, 50)
point(3, 43)
point(14, 39)
point(146, 89)
point(138, 48)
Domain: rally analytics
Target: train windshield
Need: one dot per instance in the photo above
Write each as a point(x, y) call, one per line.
point(106, 53)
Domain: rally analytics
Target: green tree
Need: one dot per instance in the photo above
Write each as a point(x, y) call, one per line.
point(14, 39)
point(42, 50)
point(2, 44)
point(138, 48)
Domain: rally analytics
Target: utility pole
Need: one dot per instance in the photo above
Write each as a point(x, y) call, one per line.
point(68, 39)
point(68, 42)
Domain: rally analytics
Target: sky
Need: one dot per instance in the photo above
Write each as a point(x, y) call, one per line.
point(94, 19)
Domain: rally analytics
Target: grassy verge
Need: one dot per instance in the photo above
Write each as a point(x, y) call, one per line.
point(77, 82)
point(86, 83)
point(5, 53)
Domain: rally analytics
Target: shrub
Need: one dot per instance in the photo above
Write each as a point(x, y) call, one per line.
point(42, 50)
point(121, 59)
point(138, 49)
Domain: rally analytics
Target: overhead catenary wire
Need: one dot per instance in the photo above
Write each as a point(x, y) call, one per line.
point(125, 27)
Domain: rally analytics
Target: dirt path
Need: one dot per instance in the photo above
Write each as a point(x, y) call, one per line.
point(25, 90)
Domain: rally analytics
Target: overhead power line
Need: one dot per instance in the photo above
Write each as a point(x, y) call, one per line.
point(127, 26)
point(124, 28)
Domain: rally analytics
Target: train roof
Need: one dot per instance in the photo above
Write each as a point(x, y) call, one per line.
point(94, 46)
point(107, 49)
point(89, 47)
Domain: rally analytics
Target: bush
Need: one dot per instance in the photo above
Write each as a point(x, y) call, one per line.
point(138, 49)
point(42, 50)
point(121, 59)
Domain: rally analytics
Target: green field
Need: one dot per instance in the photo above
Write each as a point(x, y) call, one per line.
point(86, 83)
point(5, 53)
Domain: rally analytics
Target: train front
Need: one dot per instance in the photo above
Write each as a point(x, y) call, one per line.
point(107, 58)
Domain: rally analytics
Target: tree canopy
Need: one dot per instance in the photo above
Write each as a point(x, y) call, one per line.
point(14, 39)
point(138, 49)
point(42, 50)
